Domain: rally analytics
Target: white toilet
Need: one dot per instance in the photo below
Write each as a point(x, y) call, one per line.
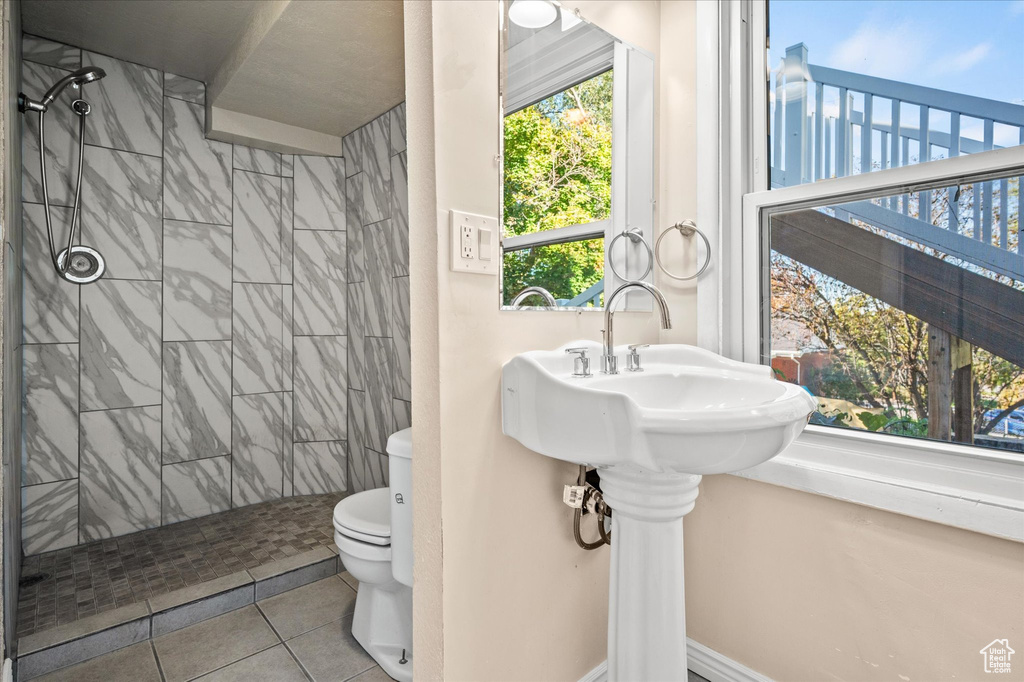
point(373, 532)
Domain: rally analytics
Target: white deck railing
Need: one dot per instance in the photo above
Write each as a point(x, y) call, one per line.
point(814, 145)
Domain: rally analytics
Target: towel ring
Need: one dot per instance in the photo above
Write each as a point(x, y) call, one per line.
point(635, 235)
point(687, 228)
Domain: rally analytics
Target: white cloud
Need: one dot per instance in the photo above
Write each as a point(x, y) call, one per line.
point(893, 51)
point(960, 61)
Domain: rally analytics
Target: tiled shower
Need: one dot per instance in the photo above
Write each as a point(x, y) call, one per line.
point(250, 340)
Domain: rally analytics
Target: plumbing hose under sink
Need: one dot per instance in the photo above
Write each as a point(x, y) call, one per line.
point(602, 511)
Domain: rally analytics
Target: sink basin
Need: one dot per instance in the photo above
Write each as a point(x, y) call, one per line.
point(690, 411)
point(652, 435)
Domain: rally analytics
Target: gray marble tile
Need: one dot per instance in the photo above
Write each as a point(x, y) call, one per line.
point(120, 344)
point(257, 160)
point(50, 312)
point(43, 51)
point(288, 445)
point(196, 400)
point(321, 383)
point(320, 467)
point(50, 426)
point(352, 150)
point(356, 334)
point(320, 283)
point(202, 648)
point(121, 211)
point(126, 106)
point(287, 340)
point(403, 347)
point(400, 214)
point(354, 213)
point(197, 171)
point(331, 652)
point(215, 605)
point(397, 126)
point(377, 292)
point(49, 516)
point(257, 458)
point(403, 414)
point(184, 88)
point(197, 488)
point(257, 229)
point(120, 472)
point(356, 265)
point(319, 193)
point(310, 606)
point(61, 139)
point(376, 194)
point(287, 165)
point(379, 393)
point(258, 344)
point(197, 281)
point(135, 663)
point(286, 229)
point(273, 664)
point(366, 469)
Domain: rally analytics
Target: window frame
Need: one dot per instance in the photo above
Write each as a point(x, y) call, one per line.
point(949, 483)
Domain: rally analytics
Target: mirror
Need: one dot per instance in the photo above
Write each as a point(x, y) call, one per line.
point(577, 135)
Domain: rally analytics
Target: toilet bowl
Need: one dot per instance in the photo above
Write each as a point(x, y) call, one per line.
point(373, 532)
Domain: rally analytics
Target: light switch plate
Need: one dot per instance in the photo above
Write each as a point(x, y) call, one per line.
point(474, 242)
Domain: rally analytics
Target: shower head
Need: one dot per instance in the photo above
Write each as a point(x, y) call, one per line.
point(87, 74)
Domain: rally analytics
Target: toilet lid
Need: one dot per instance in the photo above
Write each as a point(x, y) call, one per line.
point(366, 514)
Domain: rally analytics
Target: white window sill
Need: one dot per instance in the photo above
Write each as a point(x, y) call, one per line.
point(946, 483)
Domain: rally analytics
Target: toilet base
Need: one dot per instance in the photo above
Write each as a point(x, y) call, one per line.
point(383, 626)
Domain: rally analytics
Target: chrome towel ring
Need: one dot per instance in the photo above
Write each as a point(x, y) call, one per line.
point(635, 235)
point(687, 228)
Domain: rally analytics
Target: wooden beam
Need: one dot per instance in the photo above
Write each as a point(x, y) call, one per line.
point(962, 395)
point(940, 384)
point(976, 309)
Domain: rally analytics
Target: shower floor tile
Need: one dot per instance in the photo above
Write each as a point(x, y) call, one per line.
point(99, 576)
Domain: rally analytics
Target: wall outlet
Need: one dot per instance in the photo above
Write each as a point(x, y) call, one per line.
point(473, 244)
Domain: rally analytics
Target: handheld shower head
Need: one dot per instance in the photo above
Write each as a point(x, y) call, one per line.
point(87, 74)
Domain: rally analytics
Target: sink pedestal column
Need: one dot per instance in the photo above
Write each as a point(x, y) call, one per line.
point(647, 614)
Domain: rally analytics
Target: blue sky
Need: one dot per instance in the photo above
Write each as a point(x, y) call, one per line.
point(975, 47)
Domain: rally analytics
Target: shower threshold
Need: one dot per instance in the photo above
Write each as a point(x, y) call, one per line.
point(104, 595)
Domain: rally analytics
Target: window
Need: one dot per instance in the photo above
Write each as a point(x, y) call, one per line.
point(901, 312)
point(868, 186)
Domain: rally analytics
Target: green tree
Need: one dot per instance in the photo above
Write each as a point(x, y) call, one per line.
point(557, 172)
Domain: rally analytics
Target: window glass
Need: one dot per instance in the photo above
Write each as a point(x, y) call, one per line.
point(557, 173)
point(904, 314)
point(861, 86)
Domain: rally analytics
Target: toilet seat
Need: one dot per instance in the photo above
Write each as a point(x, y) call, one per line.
point(365, 516)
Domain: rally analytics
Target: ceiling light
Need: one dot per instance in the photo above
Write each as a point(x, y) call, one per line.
point(532, 13)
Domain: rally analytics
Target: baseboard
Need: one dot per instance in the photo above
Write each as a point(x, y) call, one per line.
point(706, 662)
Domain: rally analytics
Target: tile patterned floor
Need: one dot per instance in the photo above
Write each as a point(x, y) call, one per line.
point(301, 635)
point(104, 575)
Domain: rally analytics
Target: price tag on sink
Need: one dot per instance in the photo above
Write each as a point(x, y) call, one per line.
point(573, 495)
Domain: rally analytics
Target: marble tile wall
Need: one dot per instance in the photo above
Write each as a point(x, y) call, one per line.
point(250, 337)
point(377, 216)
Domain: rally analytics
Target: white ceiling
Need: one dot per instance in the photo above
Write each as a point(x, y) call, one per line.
point(327, 66)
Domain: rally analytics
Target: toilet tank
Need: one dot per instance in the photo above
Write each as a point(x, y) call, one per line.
point(400, 475)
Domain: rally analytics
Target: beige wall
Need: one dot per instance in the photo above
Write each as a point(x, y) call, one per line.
point(793, 585)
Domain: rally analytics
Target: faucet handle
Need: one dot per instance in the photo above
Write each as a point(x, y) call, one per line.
point(581, 363)
point(633, 359)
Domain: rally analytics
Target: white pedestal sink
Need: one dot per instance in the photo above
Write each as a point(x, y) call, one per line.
point(652, 434)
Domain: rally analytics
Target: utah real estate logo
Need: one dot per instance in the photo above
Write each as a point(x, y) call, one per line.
point(997, 656)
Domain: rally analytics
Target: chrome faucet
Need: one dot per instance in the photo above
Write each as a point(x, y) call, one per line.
point(526, 293)
point(609, 364)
